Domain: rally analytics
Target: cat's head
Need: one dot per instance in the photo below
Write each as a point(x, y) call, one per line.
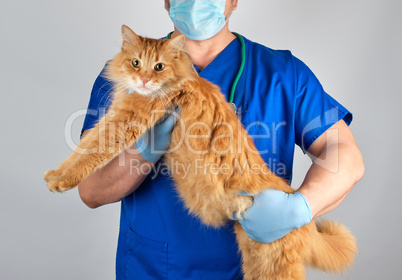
point(150, 66)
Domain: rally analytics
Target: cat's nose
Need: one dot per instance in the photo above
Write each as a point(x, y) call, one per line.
point(144, 81)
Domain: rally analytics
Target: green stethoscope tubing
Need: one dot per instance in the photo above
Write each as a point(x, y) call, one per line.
point(243, 62)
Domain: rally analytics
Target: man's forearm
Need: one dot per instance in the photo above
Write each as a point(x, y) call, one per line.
point(114, 181)
point(331, 177)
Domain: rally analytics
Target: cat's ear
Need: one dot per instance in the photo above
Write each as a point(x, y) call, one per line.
point(176, 44)
point(130, 39)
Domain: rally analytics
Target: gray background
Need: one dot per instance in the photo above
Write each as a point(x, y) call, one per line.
point(51, 52)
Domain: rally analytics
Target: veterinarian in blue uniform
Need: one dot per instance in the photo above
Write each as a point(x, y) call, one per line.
point(280, 102)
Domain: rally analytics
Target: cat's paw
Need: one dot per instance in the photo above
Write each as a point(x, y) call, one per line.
point(62, 183)
point(51, 174)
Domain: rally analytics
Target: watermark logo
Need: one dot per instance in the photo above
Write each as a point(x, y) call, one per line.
point(201, 139)
point(328, 160)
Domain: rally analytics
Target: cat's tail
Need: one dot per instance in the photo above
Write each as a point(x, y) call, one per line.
point(333, 249)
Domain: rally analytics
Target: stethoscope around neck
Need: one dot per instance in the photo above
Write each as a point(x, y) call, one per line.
point(239, 73)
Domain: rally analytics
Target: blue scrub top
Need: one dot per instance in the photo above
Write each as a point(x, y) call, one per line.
point(281, 103)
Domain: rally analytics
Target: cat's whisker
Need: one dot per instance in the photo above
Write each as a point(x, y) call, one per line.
point(111, 96)
point(107, 95)
point(162, 96)
point(107, 92)
point(170, 95)
point(165, 101)
point(167, 94)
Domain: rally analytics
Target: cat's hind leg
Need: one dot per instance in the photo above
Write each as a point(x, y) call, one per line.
point(268, 261)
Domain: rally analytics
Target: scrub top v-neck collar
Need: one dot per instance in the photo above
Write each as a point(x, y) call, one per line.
point(222, 57)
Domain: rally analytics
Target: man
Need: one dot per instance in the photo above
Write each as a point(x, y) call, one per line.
point(281, 103)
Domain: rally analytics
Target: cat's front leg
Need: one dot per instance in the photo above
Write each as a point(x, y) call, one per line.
point(80, 169)
point(65, 176)
point(101, 145)
point(89, 144)
point(66, 181)
point(114, 133)
point(52, 174)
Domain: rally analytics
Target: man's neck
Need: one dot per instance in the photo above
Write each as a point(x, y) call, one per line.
point(204, 52)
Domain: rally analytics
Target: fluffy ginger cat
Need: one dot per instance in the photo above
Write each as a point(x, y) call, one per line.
point(211, 196)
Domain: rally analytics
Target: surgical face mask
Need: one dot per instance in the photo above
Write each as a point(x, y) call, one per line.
point(198, 19)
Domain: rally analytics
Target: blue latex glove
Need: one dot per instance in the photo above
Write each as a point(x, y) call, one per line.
point(153, 143)
point(274, 214)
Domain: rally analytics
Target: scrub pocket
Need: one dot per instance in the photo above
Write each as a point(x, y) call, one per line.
point(147, 259)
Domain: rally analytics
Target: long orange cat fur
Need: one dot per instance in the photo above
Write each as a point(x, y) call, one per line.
point(211, 196)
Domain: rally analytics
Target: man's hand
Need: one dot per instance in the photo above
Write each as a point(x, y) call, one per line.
point(274, 214)
point(153, 143)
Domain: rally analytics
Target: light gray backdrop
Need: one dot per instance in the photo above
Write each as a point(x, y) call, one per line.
point(51, 52)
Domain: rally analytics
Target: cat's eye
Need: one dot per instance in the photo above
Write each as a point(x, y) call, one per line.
point(136, 63)
point(159, 66)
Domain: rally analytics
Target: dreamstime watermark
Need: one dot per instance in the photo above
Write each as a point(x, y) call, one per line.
point(201, 138)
